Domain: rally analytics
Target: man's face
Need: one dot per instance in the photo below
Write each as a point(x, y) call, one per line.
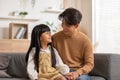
point(68, 29)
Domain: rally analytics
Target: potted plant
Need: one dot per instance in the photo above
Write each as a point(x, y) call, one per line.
point(53, 28)
point(23, 13)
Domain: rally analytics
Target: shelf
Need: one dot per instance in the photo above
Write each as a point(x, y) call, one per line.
point(18, 31)
point(15, 46)
point(19, 18)
point(53, 11)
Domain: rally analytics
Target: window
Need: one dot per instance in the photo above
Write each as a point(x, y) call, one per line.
point(106, 25)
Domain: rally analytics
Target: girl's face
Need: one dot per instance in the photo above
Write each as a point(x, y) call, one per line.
point(46, 37)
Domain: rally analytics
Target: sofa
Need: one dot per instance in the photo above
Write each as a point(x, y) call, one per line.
point(106, 67)
point(13, 66)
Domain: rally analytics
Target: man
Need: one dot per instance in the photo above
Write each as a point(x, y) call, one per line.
point(74, 47)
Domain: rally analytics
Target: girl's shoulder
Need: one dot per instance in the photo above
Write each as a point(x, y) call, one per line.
point(32, 52)
point(53, 48)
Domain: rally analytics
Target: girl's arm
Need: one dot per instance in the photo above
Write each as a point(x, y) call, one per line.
point(60, 66)
point(32, 73)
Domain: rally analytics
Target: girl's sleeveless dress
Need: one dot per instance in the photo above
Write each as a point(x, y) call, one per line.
point(46, 71)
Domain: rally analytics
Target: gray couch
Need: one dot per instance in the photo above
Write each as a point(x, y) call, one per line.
point(106, 66)
point(13, 67)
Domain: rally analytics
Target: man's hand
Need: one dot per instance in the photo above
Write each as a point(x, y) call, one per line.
point(72, 75)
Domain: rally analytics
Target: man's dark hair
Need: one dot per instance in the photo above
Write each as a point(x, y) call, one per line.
point(71, 16)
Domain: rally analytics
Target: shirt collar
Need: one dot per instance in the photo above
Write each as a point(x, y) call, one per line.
point(45, 50)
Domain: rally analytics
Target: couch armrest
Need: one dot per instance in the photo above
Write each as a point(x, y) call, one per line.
point(107, 66)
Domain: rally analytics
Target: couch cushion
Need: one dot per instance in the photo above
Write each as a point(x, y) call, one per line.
point(4, 74)
point(96, 78)
point(107, 65)
point(4, 61)
point(101, 67)
point(17, 65)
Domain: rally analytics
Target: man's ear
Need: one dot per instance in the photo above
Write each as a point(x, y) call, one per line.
point(77, 25)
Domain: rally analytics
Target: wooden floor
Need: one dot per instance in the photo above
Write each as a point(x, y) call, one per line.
point(14, 45)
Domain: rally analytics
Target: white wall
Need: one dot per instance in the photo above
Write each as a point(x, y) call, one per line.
point(36, 12)
point(86, 24)
point(8, 6)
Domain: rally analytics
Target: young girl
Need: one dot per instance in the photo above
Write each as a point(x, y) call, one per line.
point(43, 61)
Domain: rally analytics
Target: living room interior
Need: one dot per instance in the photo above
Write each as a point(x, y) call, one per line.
point(100, 23)
point(38, 11)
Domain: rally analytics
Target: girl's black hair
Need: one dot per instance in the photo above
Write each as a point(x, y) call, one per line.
point(35, 43)
point(71, 16)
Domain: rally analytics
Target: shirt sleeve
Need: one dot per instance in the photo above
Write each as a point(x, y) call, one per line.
point(88, 59)
point(32, 73)
point(60, 66)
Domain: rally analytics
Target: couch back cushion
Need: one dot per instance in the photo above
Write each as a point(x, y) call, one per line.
point(17, 65)
point(107, 65)
point(101, 67)
point(4, 62)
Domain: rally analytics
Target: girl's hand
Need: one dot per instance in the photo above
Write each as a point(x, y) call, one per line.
point(72, 75)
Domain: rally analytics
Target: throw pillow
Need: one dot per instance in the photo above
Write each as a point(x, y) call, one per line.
point(4, 62)
point(3, 74)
